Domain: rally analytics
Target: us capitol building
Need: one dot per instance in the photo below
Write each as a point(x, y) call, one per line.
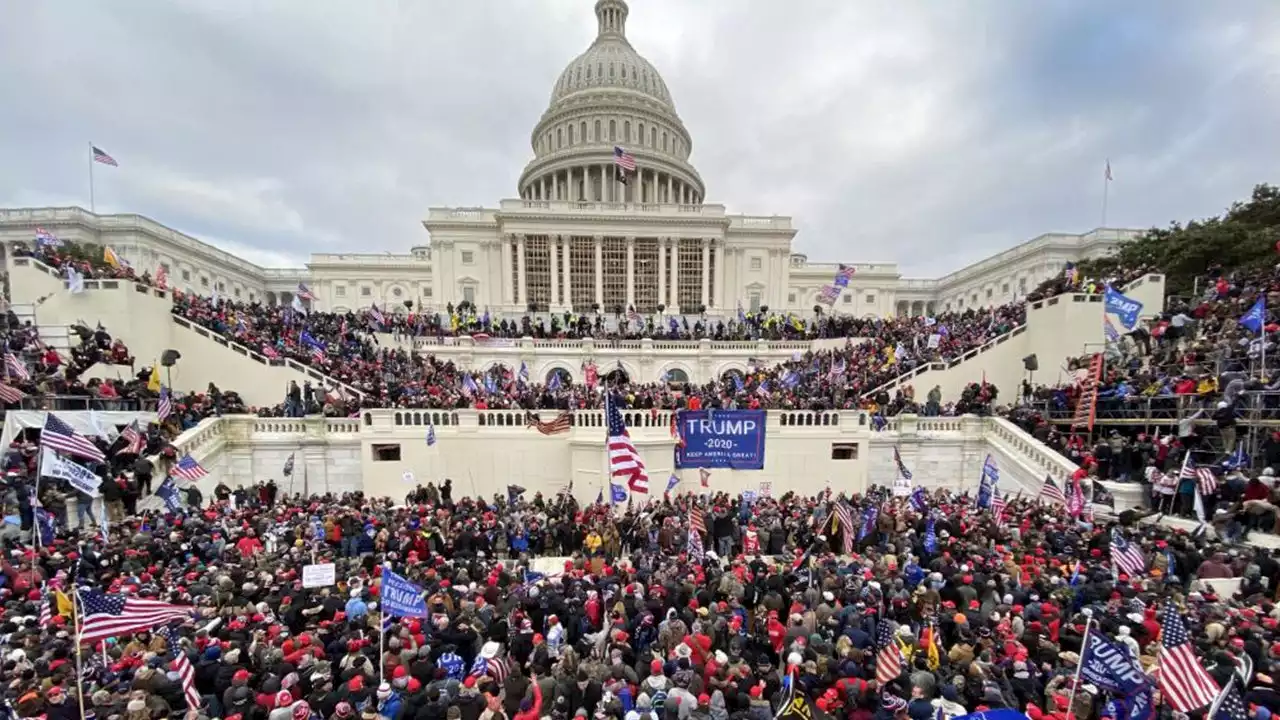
point(577, 238)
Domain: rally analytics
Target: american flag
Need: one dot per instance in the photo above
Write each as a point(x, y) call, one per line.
point(998, 506)
point(902, 468)
point(107, 616)
point(888, 657)
point(162, 277)
point(376, 315)
point(1183, 682)
point(624, 460)
point(1051, 492)
point(1126, 556)
point(134, 442)
point(305, 293)
point(694, 546)
point(1203, 476)
point(561, 423)
point(847, 528)
point(496, 667)
point(102, 157)
point(44, 237)
point(11, 394)
point(675, 430)
point(16, 367)
point(164, 408)
point(1229, 705)
point(845, 272)
point(697, 519)
point(59, 436)
point(46, 609)
point(635, 317)
point(188, 469)
point(182, 664)
point(624, 160)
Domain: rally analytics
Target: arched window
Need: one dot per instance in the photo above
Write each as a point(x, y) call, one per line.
point(613, 130)
point(626, 132)
point(582, 131)
point(566, 379)
point(559, 138)
point(676, 375)
point(570, 134)
point(665, 147)
point(653, 138)
point(640, 129)
point(597, 136)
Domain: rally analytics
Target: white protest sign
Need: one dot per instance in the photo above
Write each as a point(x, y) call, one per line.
point(80, 477)
point(901, 487)
point(407, 477)
point(315, 576)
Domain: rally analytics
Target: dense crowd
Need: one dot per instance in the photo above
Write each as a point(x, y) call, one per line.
point(346, 348)
point(930, 608)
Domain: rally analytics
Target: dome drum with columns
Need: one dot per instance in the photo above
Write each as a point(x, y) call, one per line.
point(607, 97)
point(576, 238)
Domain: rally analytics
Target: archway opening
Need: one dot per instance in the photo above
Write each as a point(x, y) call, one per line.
point(732, 378)
point(558, 378)
point(617, 376)
point(675, 376)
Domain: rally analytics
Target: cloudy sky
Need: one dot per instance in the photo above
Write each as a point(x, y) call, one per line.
point(929, 133)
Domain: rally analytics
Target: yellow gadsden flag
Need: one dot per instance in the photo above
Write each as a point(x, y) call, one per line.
point(110, 257)
point(65, 607)
point(153, 384)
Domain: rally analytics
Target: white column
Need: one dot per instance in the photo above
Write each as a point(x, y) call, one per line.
point(567, 244)
point(671, 192)
point(717, 287)
point(542, 188)
point(555, 185)
point(706, 270)
point(631, 271)
point(552, 242)
point(523, 300)
point(675, 276)
point(599, 242)
point(662, 271)
point(504, 272)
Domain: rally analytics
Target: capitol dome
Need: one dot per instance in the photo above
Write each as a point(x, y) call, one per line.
point(610, 97)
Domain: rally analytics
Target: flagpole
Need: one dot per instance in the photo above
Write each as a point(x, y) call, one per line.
point(75, 618)
point(93, 208)
point(1106, 190)
point(382, 639)
point(1084, 645)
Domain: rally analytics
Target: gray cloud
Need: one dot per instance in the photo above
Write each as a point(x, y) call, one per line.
point(928, 133)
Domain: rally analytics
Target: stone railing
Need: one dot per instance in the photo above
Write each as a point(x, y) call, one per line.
point(947, 364)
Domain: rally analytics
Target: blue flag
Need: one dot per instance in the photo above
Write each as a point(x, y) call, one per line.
point(431, 434)
point(617, 493)
point(672, 482)
point(1110, 666)
point(1256, 318)
point(48, 526)
point(930, 538)
point(918, 501)
point(1123, 307)
point(168, 492)
point(401, 597)
point(990, 477)
point(869, 516)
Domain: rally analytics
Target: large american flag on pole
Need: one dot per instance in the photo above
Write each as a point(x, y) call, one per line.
point(624, 160)
point(16, 367)
point(847, 529)
point(57, 435)
point(1203, 476)
point(888, 656)
point(1183, 682)
point(624, 460)
point(1051, 492)
point(164, 408)
point(182, 664)
point(188, 469)
point(107, 616)
point(1126, 556)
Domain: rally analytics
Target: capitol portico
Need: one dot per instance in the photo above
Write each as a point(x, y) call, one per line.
point(580, 235)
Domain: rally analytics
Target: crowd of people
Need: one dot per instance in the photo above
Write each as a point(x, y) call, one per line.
point(346, 348)
point(930, 608)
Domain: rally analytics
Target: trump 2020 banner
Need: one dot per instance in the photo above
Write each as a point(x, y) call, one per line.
point(721, 439)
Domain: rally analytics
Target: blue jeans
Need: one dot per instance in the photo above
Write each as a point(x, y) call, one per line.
point(84, 512)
